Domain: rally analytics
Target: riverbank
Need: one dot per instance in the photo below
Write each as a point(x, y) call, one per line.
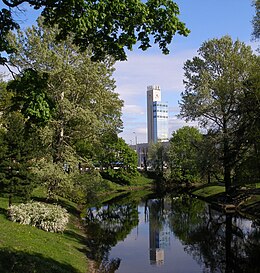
point(24, 248)
point(28, 249)
point(244, 200)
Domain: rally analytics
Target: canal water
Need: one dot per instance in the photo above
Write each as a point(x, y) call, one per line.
point(173, 234)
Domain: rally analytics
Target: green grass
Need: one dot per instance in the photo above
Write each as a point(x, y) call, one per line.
point(139, 181)
point(208, 191)
point(29, 249)
point(251, 207)
point(254, 199)
point(142, 180)
point(127, 196)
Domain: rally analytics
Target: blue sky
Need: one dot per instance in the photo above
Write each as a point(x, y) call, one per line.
point(206, 19)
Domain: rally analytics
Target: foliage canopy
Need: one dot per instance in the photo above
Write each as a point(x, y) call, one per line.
point(109, 26)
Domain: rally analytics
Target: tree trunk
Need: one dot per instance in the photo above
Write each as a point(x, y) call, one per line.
point(59, 137)
point(226, 159)
point(10, 200)
point(209, 177)
point(227, 178)
point(58, 146)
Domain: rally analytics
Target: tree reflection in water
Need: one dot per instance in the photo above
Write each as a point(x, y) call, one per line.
point(220, 242)
point(105, 227)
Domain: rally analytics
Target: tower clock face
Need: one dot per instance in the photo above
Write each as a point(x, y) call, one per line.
point(157, 96)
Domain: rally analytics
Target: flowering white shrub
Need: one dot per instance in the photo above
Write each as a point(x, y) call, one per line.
point(48, 217)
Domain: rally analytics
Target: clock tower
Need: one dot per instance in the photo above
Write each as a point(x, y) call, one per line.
point(157, 115)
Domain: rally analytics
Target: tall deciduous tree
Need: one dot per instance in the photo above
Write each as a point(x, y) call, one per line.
point(207, 161)
point(248, 169)
point(214, 92)
point(82, 92)
point(109, 26)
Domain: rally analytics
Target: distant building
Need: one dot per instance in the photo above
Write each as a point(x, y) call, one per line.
point(157, 115)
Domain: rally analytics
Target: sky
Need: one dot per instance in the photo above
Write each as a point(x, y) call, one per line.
point(207, 19)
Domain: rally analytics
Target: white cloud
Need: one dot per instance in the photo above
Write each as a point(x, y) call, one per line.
point(134, 130)
point(133, 77)
point(4, 72)
point(134, 109)
point(175, 124)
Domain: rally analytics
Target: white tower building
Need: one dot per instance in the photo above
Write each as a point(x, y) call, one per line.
point(157, 115)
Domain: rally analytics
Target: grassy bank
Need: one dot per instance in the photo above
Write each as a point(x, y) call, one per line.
point(139, 187)
point(208, 191)
point(246, 199)
point(138, 182)
point(28, 249)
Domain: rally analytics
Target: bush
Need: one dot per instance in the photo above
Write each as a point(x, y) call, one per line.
point(48, 217)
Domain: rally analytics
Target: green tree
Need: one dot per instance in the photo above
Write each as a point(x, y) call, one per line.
point(6, 24)
point(208, 155)
point(214, 91)
point(18, 150)
point(256, 20)
point(248, 168)
point(183, 154)
point(69, 98)
point(82, 92)
point(20, 147)
point(29, 96)
point(109, 26)
point(157, 156)
point(119, 161)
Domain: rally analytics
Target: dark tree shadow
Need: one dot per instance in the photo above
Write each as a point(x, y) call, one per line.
point(21, 262)
point(3, 211)
point(75, 236)
point(72, 210)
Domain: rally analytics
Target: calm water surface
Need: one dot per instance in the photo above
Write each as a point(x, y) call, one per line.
point(172, 234)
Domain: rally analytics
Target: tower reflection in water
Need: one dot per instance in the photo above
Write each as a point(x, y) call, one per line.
point(159, 232)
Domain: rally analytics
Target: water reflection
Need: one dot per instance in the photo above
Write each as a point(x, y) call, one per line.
point(159, 232)
point(172, 234)
point(105, 227)
point(219, 242)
